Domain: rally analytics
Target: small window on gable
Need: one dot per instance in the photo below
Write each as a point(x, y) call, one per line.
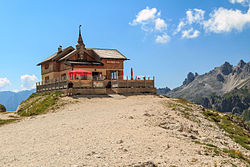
point(46, 79)
point(46, 66)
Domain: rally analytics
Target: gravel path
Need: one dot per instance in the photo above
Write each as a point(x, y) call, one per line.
point(116, 131)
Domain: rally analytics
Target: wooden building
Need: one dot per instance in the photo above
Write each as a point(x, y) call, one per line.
point(103, 69)
point(103, 63)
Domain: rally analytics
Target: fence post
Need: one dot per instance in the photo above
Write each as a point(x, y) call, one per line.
point(153, 81)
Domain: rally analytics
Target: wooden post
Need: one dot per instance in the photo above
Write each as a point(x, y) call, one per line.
point(153, 81)
point(127, 82)
point(144, 82)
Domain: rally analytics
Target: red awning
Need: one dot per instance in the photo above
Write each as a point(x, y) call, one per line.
point(79, 72)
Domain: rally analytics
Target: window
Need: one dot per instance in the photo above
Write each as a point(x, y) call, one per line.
point(46, 66)
point(46, 79)
point(63, 77)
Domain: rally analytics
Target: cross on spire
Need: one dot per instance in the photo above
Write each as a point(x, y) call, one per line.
point(80, 41)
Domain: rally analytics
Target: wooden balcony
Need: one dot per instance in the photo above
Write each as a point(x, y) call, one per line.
point(93, 84)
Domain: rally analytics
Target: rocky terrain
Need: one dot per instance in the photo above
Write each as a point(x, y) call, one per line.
point(225, 89)
point(163, 91)
point(218, 81)
point(139, 131)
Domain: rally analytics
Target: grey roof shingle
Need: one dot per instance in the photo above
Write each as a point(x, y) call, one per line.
point(68, 55)
point(109, 54)
point(55, 55)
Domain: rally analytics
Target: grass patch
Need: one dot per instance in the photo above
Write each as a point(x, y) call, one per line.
point(205, 144)
point(185, 110)
point(7, 121)
point(236, 154)
point(183, 101)
point(39, 103)
point(225, 122)
point(217, 151)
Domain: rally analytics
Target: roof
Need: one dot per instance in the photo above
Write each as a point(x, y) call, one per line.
point(109, 54)
point(102, 53)
point(68, 55)
point(55, 55)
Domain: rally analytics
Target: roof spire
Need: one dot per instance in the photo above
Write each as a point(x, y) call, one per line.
point(80, 41)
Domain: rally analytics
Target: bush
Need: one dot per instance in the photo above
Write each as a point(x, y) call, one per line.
point(2, 108)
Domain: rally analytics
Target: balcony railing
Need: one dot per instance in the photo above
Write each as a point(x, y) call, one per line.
point(93, 84)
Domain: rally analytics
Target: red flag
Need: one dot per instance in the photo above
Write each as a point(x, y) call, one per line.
point(132, 74)
point(122, 74)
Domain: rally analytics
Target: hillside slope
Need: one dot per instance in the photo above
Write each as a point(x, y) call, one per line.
point(124, 131)
point(11, 100)
point(218, 81)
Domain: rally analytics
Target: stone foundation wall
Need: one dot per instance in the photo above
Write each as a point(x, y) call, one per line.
point(134, 90)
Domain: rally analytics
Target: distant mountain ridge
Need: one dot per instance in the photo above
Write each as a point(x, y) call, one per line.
point(218, 81)
point(225, 89)
point(11, 100)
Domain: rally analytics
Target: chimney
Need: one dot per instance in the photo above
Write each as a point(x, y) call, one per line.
point(59, 49)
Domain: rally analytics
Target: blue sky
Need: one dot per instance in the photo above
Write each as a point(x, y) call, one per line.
point(163, 38)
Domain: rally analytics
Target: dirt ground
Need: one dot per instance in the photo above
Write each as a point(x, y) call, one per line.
point(114, 131)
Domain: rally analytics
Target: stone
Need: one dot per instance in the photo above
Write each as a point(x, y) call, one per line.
point(130, 117)
point(119, 142)
point(193, 137)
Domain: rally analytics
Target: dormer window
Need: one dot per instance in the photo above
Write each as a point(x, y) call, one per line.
point(81, 57)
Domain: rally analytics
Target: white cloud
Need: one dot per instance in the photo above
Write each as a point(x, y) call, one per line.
point(160, 24)
point(243, 2)
point(4, 82)
point(190, 33)
point(195, 16)
point(150, 21)
point(162, 38)
point(225, 20)
point(145, 16)
point(180, 26)
point(28, 82)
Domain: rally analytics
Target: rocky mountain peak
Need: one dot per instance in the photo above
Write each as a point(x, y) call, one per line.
point(241, 64)
point(226, 68)
point(218, 81)
point(190, 77)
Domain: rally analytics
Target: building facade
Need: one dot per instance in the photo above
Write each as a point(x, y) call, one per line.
point(105, 64)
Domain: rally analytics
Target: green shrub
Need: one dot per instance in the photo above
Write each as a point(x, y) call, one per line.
point(235, 132)
point(2, 122)
point(2, 108)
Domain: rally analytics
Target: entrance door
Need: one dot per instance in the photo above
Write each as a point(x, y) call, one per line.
point(113, 75)
point(95, 75)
